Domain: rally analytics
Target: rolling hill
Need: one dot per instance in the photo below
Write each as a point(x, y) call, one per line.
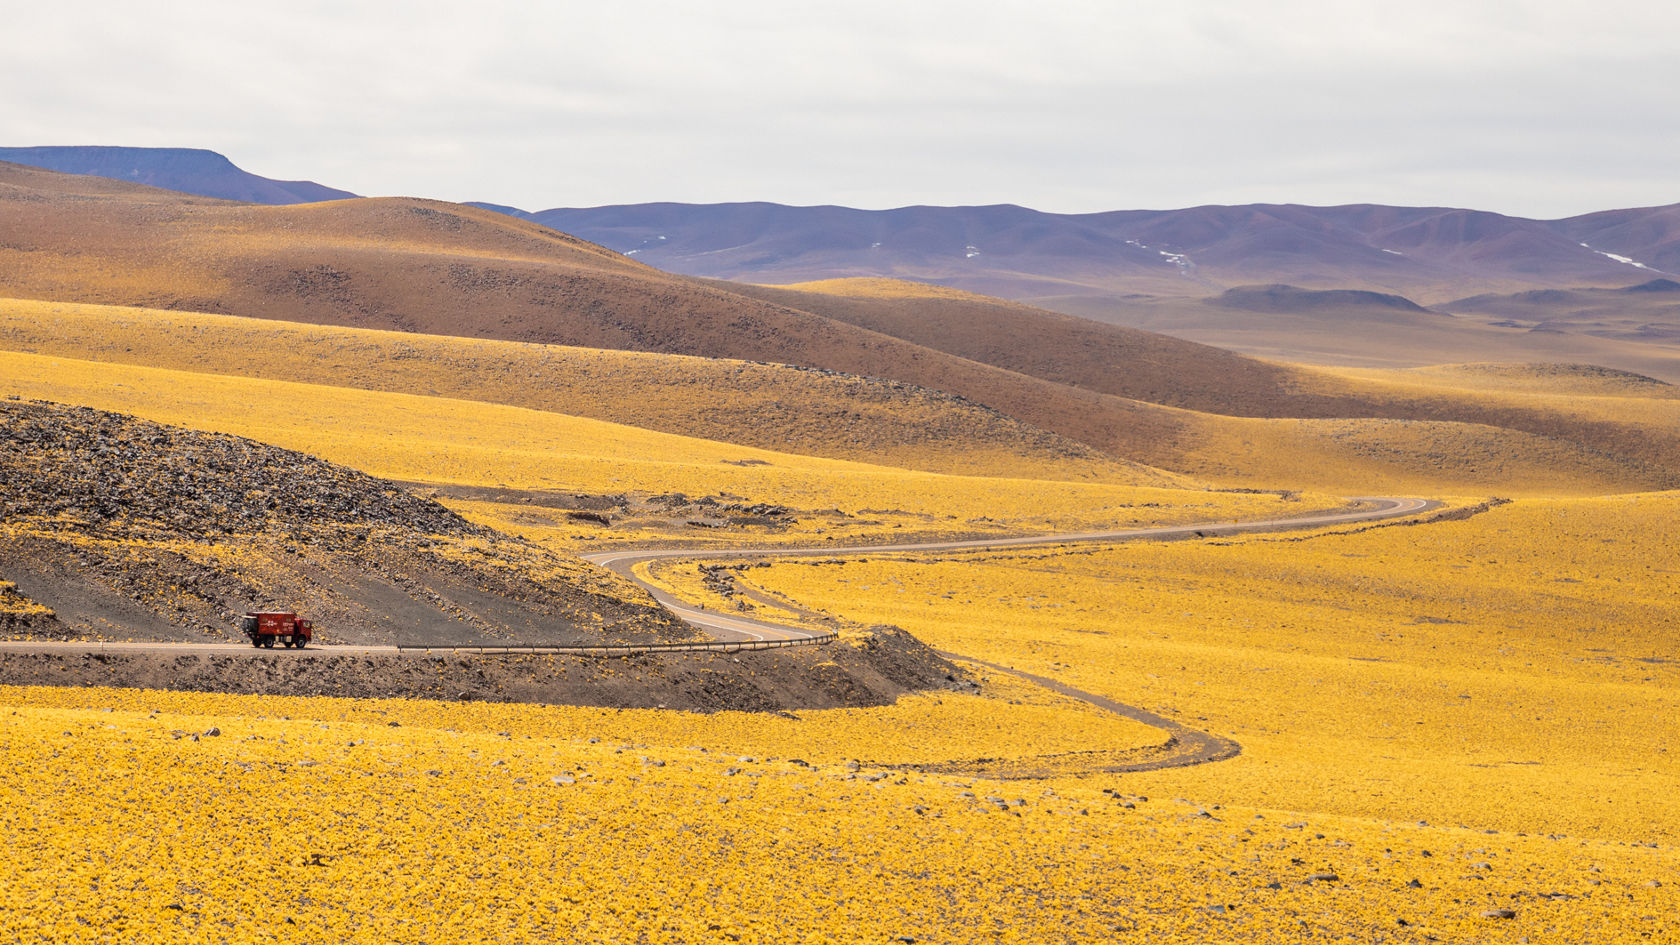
point(770, 406)
point(1430, 253)
point(1150, 269)
point(1145, 269)
point(445, 269)
point(1633, 328)
point(1650, 235)
point(1646, 312)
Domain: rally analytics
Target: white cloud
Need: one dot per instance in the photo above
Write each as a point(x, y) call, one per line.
point(1534, 108)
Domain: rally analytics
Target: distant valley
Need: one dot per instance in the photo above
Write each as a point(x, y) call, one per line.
point(1327, 285)
point(1054, 384)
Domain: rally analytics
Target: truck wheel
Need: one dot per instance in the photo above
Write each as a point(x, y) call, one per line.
point(302, 642)
point(268, 643)
point(256, 642)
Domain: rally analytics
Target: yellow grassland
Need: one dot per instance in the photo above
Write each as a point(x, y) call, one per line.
point(434, 439)
point(1516, 671)
point(1423, 456)
point(792, 410)
point(1553, 380)
point(870, 287)
point(1584, 396)
point(340, 820)
point(1483, 706)
point(771, 406)
point(1411, 457)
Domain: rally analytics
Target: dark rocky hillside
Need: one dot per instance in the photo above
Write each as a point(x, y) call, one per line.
point(114, 528)
point(121, 528)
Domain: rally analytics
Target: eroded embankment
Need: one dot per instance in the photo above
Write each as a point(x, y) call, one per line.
point(113, 528)
point(886, 665)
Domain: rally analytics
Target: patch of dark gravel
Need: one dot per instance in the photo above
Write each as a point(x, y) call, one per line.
point(95, 470)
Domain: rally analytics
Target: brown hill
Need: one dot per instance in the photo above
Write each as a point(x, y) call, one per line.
point(1072, 352)
point(1632, 329)
point(1645, 312)
point(1138, 369)
point(446, 269)
point(1288, 298)
point(808, 411)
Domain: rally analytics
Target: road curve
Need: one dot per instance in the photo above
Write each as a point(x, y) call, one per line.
point(729, 628)
point(730, 632)
point(1184, 745)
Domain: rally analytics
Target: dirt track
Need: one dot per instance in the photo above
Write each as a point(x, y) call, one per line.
point(733, 628)
point(1184, 745)
point(573, 674)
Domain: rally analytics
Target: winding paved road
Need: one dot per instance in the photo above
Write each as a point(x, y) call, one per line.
point(731, 632)
point(729, 628)
point(1184, 746)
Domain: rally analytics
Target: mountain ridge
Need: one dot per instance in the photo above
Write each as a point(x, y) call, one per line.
point(1073, 262)
point(196, 171)
point(1426, 253)
point(422, 266)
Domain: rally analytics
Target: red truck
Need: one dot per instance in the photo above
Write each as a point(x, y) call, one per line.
point(267, 626)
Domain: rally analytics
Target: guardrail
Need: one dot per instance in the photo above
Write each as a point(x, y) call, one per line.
point(627, 649)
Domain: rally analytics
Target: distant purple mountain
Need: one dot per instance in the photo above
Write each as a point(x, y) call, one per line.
point(1437, 253)
point(187, 170)
point(501, 208)
point(1080, 263)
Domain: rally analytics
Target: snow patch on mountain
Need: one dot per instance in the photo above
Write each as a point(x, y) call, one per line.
point(1624, 260)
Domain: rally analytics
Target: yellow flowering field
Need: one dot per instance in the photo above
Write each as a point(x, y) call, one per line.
point(1516, 671)
point(441, 440)
point(767, 405)
point(810, 413)
point(142, 816)
point(1438, 722)
point(1408, 457)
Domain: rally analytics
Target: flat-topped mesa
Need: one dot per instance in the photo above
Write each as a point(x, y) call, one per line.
point(189, 170)
point(1288, 298)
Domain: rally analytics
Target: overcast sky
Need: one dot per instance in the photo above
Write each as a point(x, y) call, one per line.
point(1532, 108)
